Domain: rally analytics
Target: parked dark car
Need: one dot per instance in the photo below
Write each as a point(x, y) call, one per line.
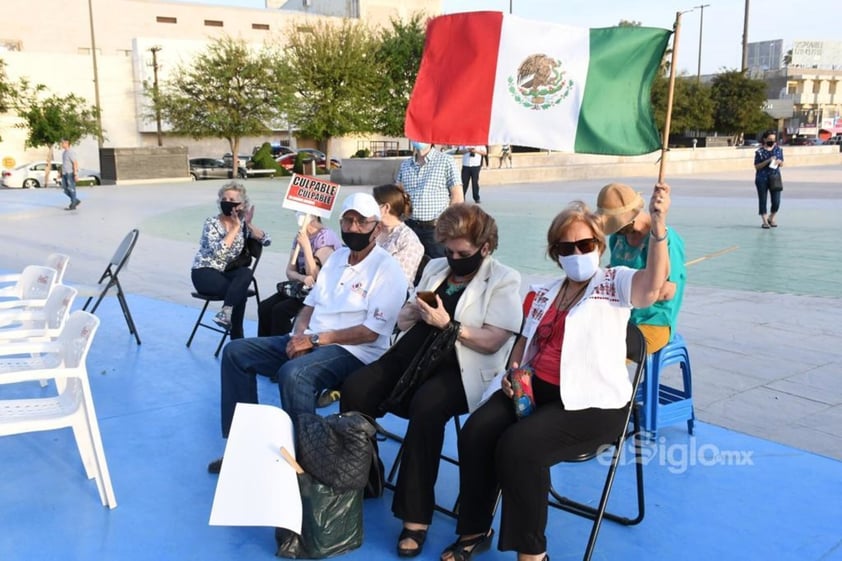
point(805, 141)
point(321, 157)
point(213, 168)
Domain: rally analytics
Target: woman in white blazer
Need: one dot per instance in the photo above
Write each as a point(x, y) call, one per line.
point(468, 326)
point(573, 345)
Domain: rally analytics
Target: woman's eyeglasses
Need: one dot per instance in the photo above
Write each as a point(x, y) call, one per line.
point(585, 245)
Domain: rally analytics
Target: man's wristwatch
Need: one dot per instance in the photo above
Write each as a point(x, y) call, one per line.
point(314, 339)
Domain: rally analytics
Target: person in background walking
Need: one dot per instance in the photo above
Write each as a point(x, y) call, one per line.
point(485, 157)
point(505, 155)
point(471, 164)
point(768, 160)
point(69, 173)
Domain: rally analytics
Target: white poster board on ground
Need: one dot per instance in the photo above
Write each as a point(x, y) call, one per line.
point(256, 486)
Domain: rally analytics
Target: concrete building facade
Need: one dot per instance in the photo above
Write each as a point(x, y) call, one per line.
point(53, 45)
point(806, 95)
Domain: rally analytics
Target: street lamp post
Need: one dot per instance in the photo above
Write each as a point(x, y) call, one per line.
point(154, 51)
point(96, 76)
point(701, 28)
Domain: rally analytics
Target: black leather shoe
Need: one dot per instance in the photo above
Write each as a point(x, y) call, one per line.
point(215, 466)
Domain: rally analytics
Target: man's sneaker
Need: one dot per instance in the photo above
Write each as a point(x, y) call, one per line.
point(215, 466)
point(223, 317)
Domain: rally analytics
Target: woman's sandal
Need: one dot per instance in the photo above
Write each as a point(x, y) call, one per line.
point(462, 550)
point(418, 536)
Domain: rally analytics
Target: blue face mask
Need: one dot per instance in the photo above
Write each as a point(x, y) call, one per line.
point(420, 146)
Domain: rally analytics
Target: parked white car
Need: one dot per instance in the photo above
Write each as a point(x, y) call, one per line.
point(30, 175)
point(27, 176)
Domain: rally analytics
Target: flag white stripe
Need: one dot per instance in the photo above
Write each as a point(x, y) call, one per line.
point(514, 123)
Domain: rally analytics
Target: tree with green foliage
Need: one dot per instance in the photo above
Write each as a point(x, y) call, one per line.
point(334, 76)
point(48, 118)
point(7, 92)
point(692, 106)
point(228, 91)
point(399, 54)
point(738, 104)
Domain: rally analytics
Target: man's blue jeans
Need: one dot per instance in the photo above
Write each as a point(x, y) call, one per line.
point(300, 379)
point(68, 183)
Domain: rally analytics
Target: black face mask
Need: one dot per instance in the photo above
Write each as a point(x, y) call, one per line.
point(770, 143)
point(356, 241)
point(465, 266)
point(228, 207)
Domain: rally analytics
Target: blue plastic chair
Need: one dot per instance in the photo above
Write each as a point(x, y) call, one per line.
point(664, 405)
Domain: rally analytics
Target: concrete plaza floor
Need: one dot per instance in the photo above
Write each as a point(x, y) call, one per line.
point(762, 307)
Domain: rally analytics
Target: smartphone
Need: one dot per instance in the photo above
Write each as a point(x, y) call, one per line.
point(428, 297)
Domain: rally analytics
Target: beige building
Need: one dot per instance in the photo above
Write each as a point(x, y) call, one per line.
point(806, 95)
point(53, 46)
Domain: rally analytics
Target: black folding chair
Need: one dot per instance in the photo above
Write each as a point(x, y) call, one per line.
point(256, 250)
point(635, 352)
point(110, 281)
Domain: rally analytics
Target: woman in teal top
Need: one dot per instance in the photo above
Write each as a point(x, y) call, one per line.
point(629, 225)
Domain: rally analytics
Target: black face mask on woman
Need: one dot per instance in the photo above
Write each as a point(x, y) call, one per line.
point(465, 266)
point(356, 241)
point(228, 207)
point(770, 143)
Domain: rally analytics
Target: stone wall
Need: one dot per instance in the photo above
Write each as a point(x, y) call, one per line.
point(119, 165)
point(543, 166)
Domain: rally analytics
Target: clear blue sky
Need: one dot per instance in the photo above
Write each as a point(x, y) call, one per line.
point(789, 20)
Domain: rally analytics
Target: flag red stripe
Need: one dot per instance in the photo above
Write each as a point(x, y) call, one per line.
point(451, 100)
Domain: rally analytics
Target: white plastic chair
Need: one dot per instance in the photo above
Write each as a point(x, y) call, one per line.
point(57, 261)
point(62, 360)
point(31, 288)
point(41, 323)
point(38, 323)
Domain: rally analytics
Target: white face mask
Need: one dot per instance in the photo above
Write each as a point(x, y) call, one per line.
point(579, 267)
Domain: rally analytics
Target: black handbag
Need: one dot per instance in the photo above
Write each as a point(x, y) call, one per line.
point(434, 348)
point(338, 450)
point(296, 290)
point(774, 183)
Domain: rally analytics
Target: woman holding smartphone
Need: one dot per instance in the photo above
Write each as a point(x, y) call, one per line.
point(466, 315)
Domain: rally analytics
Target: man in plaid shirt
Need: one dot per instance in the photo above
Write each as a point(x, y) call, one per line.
point(431, 180)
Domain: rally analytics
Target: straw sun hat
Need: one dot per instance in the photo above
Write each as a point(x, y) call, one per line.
point(618, 204)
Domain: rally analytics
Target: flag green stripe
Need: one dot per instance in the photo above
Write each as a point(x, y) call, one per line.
point(616, 115)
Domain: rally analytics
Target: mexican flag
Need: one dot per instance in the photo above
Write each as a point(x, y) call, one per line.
point(492, 78)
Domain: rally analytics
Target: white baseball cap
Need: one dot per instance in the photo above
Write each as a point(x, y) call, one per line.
point(363, 203)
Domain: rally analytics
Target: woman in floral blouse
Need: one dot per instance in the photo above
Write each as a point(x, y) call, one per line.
point(396, 237)
point(217, 271)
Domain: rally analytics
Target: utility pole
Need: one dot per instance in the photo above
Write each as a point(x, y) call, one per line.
point(745, 40)
point(701, 28)
point(154, 51)
point(510, 6)
point(96, 76)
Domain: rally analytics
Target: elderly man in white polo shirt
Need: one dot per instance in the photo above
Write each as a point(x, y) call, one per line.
point(346, 322)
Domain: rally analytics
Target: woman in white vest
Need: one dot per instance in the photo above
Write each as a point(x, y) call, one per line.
point(573, 347)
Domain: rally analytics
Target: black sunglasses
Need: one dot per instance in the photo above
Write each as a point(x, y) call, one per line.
point(585, 245)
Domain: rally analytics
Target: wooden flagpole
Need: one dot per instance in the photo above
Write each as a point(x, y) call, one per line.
point(668, 121)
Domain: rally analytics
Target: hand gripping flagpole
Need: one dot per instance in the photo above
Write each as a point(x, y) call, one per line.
point(668, 121)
